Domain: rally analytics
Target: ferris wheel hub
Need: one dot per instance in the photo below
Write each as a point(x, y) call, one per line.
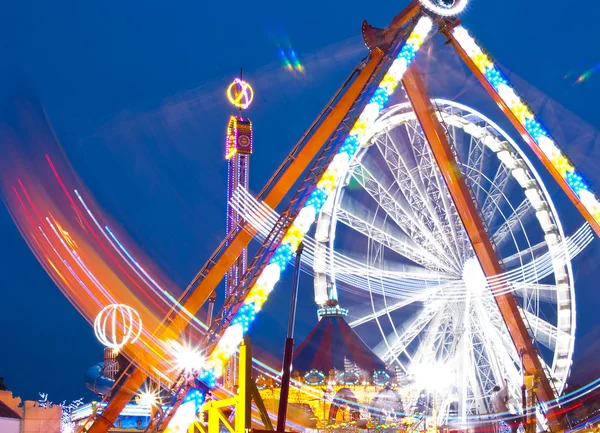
point(473, 276)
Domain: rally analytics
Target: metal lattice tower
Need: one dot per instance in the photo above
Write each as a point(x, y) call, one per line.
point(238, 148)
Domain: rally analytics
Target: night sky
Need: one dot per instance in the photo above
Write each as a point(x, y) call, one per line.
point(135, 93)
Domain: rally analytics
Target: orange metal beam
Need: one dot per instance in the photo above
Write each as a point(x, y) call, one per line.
point(118, 402)
point(446, 30)
point(442, 152)
point(382, 38)
point(409, 12)
point(214, 272)
point(278, 191)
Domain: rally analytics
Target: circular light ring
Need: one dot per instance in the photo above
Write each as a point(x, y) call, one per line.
point(117, 325)
point(240, 94)
point(261, 382)
point(402, 113)
point(381, 378)
point(314, 378)
point(445, 8)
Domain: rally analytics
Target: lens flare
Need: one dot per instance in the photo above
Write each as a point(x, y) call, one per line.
point(148, 398)
point(587, 74)
point(287, 55)
point(187, 358)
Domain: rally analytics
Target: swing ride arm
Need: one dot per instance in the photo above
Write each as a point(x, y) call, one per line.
point(215, 268)
point(484, 250)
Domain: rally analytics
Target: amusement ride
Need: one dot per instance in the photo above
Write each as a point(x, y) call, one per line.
point(441, 267)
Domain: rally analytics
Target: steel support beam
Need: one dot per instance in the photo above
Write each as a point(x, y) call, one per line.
point(241, 402)
point(214, 270)
point(447, 31)
point(444, 156)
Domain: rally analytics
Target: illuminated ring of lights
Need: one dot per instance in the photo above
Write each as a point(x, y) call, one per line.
point(440, 7)
point(261, 382)
point(381, 378)
point(314, 377)
point(563, 274)
point(240, 94)
point(116, 318)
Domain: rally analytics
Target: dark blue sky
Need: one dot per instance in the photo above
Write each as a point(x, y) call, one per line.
point(135, 92)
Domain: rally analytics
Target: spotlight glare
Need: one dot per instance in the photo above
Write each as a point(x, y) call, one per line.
point(147, 398)
point(187, 358)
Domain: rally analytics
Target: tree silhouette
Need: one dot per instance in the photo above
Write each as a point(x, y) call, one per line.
point(2, 385)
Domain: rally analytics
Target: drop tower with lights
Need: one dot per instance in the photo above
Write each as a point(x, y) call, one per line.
point(238, 148)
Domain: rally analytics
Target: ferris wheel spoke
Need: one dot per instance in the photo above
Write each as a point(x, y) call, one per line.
point(401, 215)
point(431, 336)
point(390, 352)
point(552, 373)
point(435, 194)
point(407, 185)
point(444, 343)
point(482, 378)
point(485, 365)
point(459, 235)
point(528, 252)
point(498, 361)
point(489, 311)
point(404, 247)
point(512, 221)
point(495, 194)
point(475, 166)
point(502, 345)
point(542, 331)
point(391, 308)
point(543, 292)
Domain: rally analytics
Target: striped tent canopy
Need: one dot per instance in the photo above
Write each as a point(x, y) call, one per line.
point(329, 344)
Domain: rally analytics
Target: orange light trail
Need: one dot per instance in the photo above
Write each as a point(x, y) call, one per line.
point(88, 258)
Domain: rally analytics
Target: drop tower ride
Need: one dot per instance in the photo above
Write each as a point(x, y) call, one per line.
point(238, 148)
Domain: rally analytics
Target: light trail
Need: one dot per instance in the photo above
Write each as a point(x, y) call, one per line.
point(398, 284)
point(171, 301)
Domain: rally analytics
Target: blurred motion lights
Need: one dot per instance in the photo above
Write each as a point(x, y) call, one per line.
point(286, 249)
point(527, 119)
point(117, 325)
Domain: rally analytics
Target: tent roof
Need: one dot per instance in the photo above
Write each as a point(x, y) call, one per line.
point(330, 342)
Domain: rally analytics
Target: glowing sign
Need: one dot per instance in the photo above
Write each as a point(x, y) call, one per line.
point(116, 325)
point(239, 137)
point(240, 94)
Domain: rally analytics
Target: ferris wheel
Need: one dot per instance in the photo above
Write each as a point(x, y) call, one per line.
point(391, 239)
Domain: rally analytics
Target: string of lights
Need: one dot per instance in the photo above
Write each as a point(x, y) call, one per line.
point(563, 165)
point(293, 237)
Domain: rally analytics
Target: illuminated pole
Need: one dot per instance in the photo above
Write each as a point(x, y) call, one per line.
point(238, 148)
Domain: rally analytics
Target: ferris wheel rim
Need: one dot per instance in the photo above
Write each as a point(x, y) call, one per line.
point(395, 109)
